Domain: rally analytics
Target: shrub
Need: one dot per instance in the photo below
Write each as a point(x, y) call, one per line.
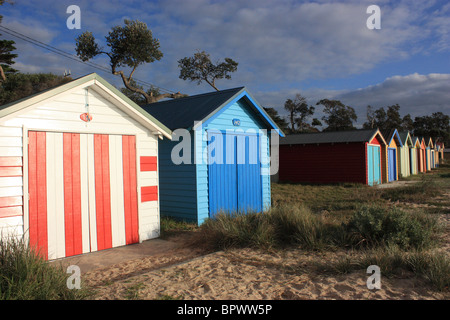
point(370, 226)
point(375, 225)
point(300, 226)
point(280, 226)
point(25, 275)
point(433, 266)
point(236, 230)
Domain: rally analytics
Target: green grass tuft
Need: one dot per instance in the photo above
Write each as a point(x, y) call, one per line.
point(25, 275)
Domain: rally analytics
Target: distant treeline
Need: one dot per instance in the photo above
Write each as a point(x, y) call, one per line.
point(339, 117)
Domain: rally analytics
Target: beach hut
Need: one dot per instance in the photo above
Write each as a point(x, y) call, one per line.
point(78, 169)
point(333, 157)
point(422, 155)
point(394, 144)
point(404, 153)
point(429, 146)
point(414, 155)
point(436, 154)
point(218, 159)
point(440, 152)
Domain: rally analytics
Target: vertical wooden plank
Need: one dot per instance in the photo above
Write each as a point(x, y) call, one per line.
point(72, 194)
point(126, 186)
point(102, 191)
point(68, 194)
point(76, 189)
point(130, 189)
point(134, 237)
point(38, 192)
point(106, 192)
point(117, 185)
point(84, 172)
point(91, 180)
point(42, 192)
point(55, 195)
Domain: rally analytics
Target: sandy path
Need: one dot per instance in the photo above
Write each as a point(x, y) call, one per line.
point(250, 274)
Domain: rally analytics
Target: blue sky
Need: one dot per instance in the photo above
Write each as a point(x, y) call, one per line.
point(321, 49)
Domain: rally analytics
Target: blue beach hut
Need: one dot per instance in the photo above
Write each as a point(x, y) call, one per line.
point(218, 159)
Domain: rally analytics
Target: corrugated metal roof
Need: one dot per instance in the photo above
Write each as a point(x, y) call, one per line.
point(182, 112)
point(330, 137)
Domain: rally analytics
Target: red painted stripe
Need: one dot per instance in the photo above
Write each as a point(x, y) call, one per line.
point(37, 189)
point(149, 163)
point(102, 191)
point(149, 193)
point(10, 161)
point(10, 201)
point(11, 211)
point(72, 194)
point(10, 171)
point(130, 189)
point(10, 206)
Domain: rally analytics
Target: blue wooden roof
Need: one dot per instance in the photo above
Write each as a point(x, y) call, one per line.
point(183, 112)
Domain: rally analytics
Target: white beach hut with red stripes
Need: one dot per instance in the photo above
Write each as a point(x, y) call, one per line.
point(79, 169)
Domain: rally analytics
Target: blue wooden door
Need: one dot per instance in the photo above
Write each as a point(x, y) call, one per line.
point(373, 165)
point(234, 173)
point(432, 160)
point(392, 164)
point(222, 178)
point(248, 173)
point(370, 164)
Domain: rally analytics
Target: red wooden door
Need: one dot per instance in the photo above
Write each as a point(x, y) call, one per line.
point(94, 182)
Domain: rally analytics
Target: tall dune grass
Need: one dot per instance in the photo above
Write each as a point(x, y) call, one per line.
point(25, 275)
point(369, 226)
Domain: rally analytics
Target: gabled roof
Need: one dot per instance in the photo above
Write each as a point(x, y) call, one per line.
point(99, 84)
point(184, 112)
point(416, 141)
point(405, 137)
point(366, 135)
point(429, 143)
point(422, 141)
point(392, 134)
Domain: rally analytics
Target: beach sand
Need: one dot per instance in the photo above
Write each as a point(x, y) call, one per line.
point(242, 274)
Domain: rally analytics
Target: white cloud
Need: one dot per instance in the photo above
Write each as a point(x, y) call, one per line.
point(416, 94)
point(290, 41)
